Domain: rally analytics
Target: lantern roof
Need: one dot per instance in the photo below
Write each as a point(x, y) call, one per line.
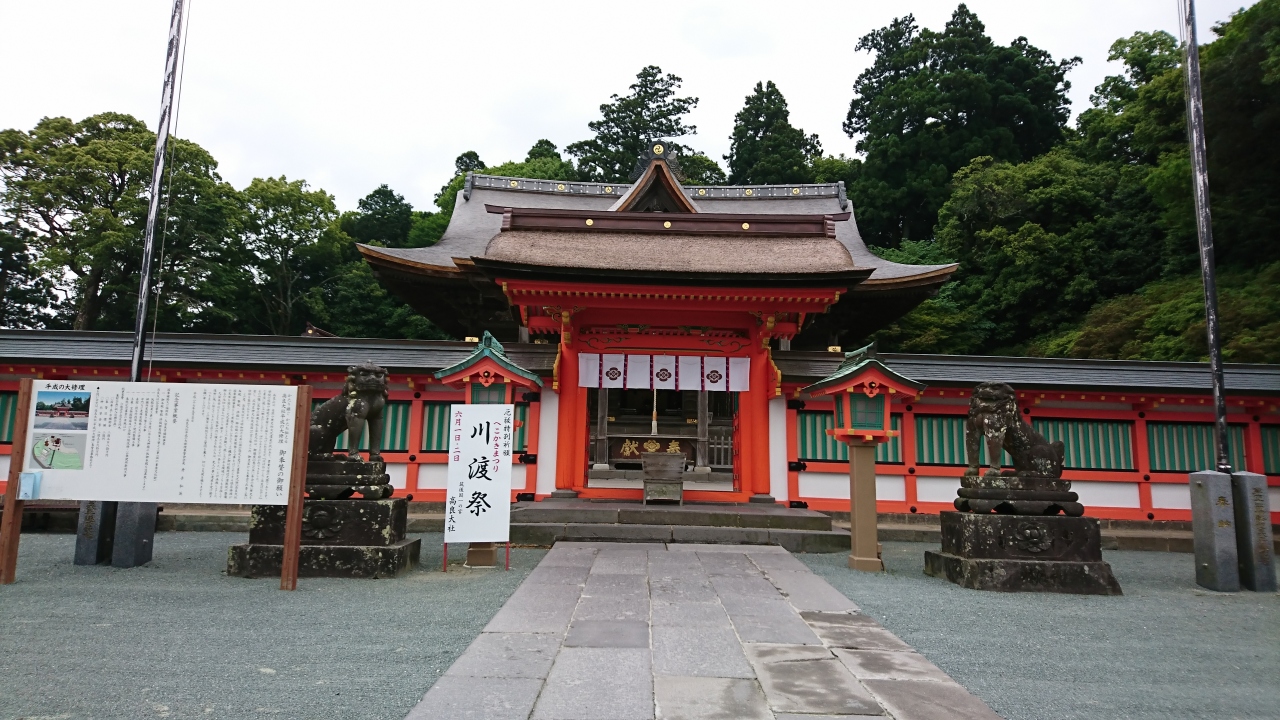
point(488, 352)
point(861, 367)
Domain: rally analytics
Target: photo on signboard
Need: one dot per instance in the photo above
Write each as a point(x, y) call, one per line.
point(62, 451)
point(62, 410)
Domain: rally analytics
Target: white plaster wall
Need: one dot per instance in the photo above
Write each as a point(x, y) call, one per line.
point(1273, 493)
point(4, 467)
point(1106, 494)
point(937, 489)
point(399, 473)
point(548, 423)
point(1169, 496)
point(434, 476)
point(778, 449)
point(835, 486)
point(519, 476)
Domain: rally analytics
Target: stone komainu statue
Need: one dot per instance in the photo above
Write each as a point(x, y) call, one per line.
point(994, 418)
point(363, 398)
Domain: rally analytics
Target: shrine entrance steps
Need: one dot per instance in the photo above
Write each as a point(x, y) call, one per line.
point(547, 522)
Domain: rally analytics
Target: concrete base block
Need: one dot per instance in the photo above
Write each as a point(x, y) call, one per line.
point(1213, 523)
point(1254, 544)
point(1078, 578)
point(135, 535)
point(95, 532)
point(345, 561)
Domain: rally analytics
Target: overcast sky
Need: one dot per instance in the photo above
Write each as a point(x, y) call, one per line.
point(349, 95)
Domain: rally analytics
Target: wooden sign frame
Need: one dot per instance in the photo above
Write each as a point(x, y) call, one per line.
point(11, 523)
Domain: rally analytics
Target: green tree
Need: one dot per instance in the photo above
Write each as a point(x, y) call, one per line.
point(24, 292)
point(699, 169)
point(649, 111)
point(383, 217)
point(765, 148)
point(78, 191)
point(295, 247)
point(930, 103)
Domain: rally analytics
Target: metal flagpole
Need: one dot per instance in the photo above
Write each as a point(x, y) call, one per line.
point(1204, 230)
point(126, 531)
point(157, 174)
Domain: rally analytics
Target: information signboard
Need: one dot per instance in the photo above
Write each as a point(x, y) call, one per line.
point(478, 503)
point(161, 442)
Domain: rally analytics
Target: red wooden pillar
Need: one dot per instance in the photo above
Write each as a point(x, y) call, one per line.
point(531, 445)
point(571, 424)
point(793, 453)
point(417, 423)
point(908, 437)
point(753, 407)
point(1142, 463)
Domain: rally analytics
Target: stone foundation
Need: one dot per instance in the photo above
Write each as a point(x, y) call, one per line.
point(1022, 553)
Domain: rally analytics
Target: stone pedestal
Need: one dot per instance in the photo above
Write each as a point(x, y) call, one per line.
point(482, 555)
point(340, 538)
point(1022, 553)
point(1213, 524)
point(1254, 544)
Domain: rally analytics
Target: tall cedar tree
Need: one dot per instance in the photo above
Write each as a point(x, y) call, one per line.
point(651, 110)
point(933, 101)
point(765, 148)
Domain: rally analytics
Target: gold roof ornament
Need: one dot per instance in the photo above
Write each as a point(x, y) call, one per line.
point(658, 149)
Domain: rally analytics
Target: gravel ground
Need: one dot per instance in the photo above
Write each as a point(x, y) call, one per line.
point(179, 639)
point(1166, 650)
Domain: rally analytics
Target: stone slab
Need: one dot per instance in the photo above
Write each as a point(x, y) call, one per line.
point(699, 651)
point(811, 541)
point(890, 665)
point(691, 589)
point(507, 655)
point(808, 680)
point(608, 634)
point(727, 563)
point(1079, 578)
point(612, 607)
point(709, 698)
point(780, 629)
point(537, 609)
point(456, 698)
point(852, 630)
point(621, 564)
point(777, 562)
point(720, 535)
point(776, 606)
point(259, 561)
point(916, 700)
point(807, 592)
point(585, 683)
point(569, 556)
point(752, 585)
point(616, 585)
point(688, 615)
point(558, 575)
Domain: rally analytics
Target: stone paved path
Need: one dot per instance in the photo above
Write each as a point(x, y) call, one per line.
point(616, 631)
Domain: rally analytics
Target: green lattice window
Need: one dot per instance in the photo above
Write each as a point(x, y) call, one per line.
point(816, 445)
point(1091, 444)
point(940, 441)
point(495, 394)
point(1188, 447)
point(1271, 449)
point(435, 427)
point(8, 415)
point(395, 428)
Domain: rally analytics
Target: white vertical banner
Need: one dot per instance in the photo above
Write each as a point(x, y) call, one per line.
point(478, 499)
point(714, 370)
point(612, 370)
point(639, 372)
point(589, 370)
point(664, 372)
point(689, 372)
point(739, 374)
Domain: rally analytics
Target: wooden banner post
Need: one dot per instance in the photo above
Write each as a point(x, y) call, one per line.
point(297, 488)
point(11, 524)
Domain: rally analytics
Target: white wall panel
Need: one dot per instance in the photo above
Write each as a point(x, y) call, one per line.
point(548, 425)
point(835, 486)
point(937, 489)
point(399, 473)
point(1106, 494)
point(1170, 497)
point(433, 476)
point(778, 449)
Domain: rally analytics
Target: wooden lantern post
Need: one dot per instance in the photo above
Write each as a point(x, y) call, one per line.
point(861, 390)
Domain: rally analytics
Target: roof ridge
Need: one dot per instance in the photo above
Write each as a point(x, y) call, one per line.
point(796, 191)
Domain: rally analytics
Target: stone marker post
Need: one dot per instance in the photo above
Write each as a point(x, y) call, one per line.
point(1213, 522)
point(135, 534)
point(1254, 543)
